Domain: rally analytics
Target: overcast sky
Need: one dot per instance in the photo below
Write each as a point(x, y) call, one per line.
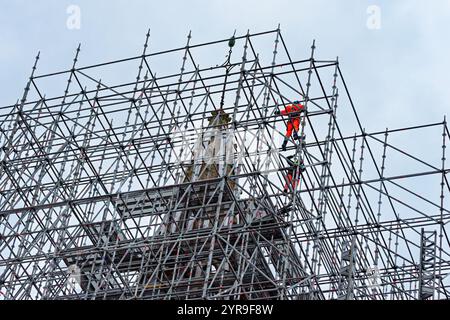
point(398, 74)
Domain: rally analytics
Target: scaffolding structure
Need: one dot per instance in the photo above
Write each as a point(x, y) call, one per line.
point(161, 176)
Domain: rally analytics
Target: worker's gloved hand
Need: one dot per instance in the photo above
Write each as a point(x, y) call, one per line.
point(277, 112)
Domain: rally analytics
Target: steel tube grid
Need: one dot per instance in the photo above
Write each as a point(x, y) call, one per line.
point(117, 181)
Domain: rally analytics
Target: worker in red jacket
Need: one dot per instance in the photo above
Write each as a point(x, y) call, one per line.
point(293, 111)
point(292, 173)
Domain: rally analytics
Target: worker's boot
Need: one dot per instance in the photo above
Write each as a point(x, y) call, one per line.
point(295, 135)
point(283, 146)
point(285, 210)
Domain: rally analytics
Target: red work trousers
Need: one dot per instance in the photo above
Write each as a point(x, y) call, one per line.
point(290, 181)
point(291, 125)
